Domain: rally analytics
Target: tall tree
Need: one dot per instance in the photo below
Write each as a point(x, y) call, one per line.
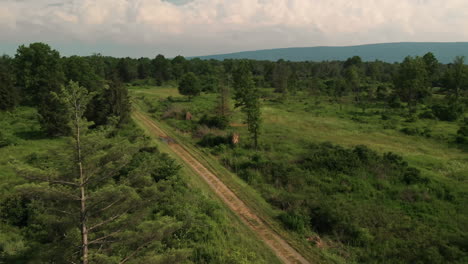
point(281, 76)
point(432, 67)
point(162, 69)
point(223, 107)
point(458, 76)
point(353, 80)
point(247, 97)
point(79, 69)
point(112, 104)
point(144, 68)
point(411, 82)
point(179, 67)
point(98, 197)
point(39, 73)
point(189, 85)
point(8, 92)
point(127, 69)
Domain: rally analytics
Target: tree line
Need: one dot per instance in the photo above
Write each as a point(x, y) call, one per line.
point(37, 70)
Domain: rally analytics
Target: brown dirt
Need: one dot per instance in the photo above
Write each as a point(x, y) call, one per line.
point(279, 246)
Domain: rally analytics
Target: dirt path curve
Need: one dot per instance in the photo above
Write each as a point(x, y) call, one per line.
point(281, 248)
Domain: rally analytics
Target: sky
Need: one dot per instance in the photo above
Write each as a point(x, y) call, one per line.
point(146, 28)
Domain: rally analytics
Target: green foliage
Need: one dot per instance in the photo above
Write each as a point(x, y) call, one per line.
point(411, 82)
point(462, 133)
point(220, 122)
point(247, 97)
point(448, 112)
point(8, 92)
point(189, 85)
point(162, 69)
point(79, 69)
point(211, 140)
point(38, 72)
point(113, 103)
point(456, 77)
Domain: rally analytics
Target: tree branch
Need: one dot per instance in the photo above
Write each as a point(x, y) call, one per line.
point(96, 241)
point(138, 249)
point(107, 221)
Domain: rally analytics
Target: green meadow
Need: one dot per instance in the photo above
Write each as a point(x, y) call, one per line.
point(364, 211)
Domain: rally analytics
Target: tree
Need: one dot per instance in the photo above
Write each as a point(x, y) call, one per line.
point(189, 85)
point(144, 68)
point(353, 80)
point(162, 69)
point(112, 104)
point(79, 69)
point(411, 82)
point(339, 90)
point(39, 74)
point(223, 107)
point(127, 70)
point(458, 76)
point(8, 92)
point(247, 97)
point(281, 77)
point(179, 65)
point(97, 196)
point(432, 67)
point(353, 61)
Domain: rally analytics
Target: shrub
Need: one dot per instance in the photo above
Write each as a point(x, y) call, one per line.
point(450, 112)
point(462, 133)
point(428, 114)
point(4, 140)
point(220, 122)
point(294, 221)
point(211, 140)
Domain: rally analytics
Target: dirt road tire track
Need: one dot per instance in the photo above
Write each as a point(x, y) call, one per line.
point(279, 246)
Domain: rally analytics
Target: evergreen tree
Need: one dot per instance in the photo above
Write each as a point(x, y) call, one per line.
point(458, 76)
point(162, 69)
point(8, 93)
point(112, 104)
point(247, 97)
point(94, 203)
point(281, 77)
point(411, 82)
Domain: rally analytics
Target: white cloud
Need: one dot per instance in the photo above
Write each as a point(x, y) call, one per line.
point(213, 26)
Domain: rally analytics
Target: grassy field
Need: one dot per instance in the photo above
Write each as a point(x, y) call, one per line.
point(291, 124)
point(287, 125)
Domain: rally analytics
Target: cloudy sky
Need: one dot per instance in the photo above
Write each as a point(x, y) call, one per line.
point(200, 27)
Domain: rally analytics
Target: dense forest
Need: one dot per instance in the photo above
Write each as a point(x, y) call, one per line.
point(97, 191)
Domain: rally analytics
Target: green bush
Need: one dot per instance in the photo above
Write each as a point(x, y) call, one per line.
point(220, 122)
point(449, 112)
point(294, 221)
point(5, 140)
point(211, 140)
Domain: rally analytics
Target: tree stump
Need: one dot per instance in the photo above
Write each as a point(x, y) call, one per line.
point(188, 116)
point(235, 138)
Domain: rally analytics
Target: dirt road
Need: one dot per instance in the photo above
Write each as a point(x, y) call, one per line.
point(282, 249)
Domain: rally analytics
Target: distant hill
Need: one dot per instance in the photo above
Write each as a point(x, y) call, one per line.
point(388, 52)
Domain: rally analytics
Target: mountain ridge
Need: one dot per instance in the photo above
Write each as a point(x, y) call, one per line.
point(388, 52)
